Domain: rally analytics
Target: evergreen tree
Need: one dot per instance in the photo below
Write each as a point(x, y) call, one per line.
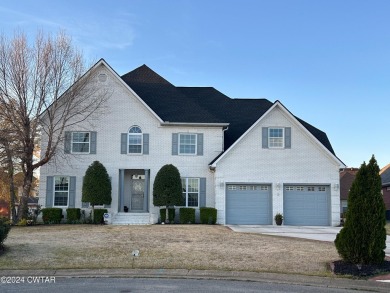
point(167, 188)
point(363, 237)
point(96, 186)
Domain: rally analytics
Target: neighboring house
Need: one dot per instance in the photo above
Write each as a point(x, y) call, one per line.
point(249, 158)
point(385, 176)
point(347, 176)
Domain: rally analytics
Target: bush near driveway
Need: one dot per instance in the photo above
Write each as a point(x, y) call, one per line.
point(73, 215)
point(208, 215)
point(98, 215)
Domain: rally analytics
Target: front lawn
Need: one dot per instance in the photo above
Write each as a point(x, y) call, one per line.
point(162, 246)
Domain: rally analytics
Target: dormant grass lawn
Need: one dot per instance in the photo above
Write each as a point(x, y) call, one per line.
point(162, 247)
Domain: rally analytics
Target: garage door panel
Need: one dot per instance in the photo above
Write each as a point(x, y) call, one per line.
point(248, 205)
point(306, 205)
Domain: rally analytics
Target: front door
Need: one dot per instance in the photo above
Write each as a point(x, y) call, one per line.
point(137, 195)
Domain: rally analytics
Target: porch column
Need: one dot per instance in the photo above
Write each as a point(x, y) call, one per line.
point(121, 189)
point(146, 188)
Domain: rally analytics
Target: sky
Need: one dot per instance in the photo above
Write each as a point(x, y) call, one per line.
point(327, 61)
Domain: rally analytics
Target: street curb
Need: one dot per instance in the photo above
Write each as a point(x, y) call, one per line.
point(326, 282)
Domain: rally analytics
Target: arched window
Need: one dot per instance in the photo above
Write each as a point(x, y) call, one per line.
point(135, 140)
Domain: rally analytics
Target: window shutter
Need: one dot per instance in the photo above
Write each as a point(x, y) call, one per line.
point(287, 137)
point(68, 142)
point(145, 141)
point(49, 191)
point(199, 147)
point(123, 143)
point(202, 192)
point(265, 138)
point(72, 192)
point(175, 144)
point(92, 149)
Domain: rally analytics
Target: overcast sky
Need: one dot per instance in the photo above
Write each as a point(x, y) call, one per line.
point(327, 61)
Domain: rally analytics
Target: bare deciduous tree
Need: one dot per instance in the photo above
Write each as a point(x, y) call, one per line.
point(43, 89)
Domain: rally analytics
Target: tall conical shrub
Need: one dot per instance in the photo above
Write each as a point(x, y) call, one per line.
point(363, 237)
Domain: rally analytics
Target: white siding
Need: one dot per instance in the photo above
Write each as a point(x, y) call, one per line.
point(305, 162)
point(125, 110)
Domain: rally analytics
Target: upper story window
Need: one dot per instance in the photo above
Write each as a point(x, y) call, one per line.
point(190, 192)
point(276, 137)
point(187, 143)
point(135, 140)
point(61, 191)
point(81, 142)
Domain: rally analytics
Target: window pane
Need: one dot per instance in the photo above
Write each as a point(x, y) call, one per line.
point(192, 199)
point(135, 149)
point(135, 139)
point(80, 142)
point(135, 129)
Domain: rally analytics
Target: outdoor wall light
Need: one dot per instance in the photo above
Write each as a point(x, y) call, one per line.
point(336, 186)
point(221, 184)
point(278, 186)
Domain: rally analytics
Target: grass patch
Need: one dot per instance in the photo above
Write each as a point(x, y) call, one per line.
point(162, 247)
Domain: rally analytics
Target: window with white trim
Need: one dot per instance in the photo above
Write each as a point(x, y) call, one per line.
point(187, 143)
point(135, 140)
point(321, 188)
point(190, 192)
point(81, 142)
point(289, 188)
point(61, 191)
point(300, 188)
point(310, 188)
point(276, 137)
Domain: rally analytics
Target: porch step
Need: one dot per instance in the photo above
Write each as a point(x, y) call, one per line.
point(131, 219)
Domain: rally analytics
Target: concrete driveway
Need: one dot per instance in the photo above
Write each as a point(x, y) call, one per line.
point(306, 232)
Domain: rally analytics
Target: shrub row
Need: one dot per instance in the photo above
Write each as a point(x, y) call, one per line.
point(187, 215)
point(73, 215)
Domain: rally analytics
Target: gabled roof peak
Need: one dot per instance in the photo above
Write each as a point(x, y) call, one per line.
point(144, 74)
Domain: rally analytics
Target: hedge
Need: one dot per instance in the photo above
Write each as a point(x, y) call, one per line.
point(208, 215)
point(187, 215)
point(52, 215)
point(98, 215)
point(73, 215)
point(171, 215)
point(4, 229)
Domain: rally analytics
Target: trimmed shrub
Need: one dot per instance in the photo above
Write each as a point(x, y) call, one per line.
point(167, 188)
point(171, 215)
point(51, 215)
point(187, 215)
point(208, 216)
point(73, 215)
point(98, 215)
point(5, 227)
point(363, 238)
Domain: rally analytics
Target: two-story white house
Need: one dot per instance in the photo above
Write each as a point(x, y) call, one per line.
point(248, 158)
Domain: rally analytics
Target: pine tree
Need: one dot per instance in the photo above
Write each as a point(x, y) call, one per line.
point(363, 237)
point(167, 188)
point(96, 186)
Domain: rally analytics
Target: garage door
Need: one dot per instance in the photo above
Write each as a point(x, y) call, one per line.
point(306, 205)
point(248, 204)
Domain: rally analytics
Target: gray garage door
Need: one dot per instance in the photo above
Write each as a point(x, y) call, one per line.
point(306, 205)
point(248, 204)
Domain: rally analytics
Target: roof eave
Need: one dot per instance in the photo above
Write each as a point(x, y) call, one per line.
point(196, 124)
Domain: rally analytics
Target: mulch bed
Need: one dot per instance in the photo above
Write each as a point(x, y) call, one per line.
point(340, 267)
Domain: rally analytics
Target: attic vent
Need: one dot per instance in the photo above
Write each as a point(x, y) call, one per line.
point(102, 77)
